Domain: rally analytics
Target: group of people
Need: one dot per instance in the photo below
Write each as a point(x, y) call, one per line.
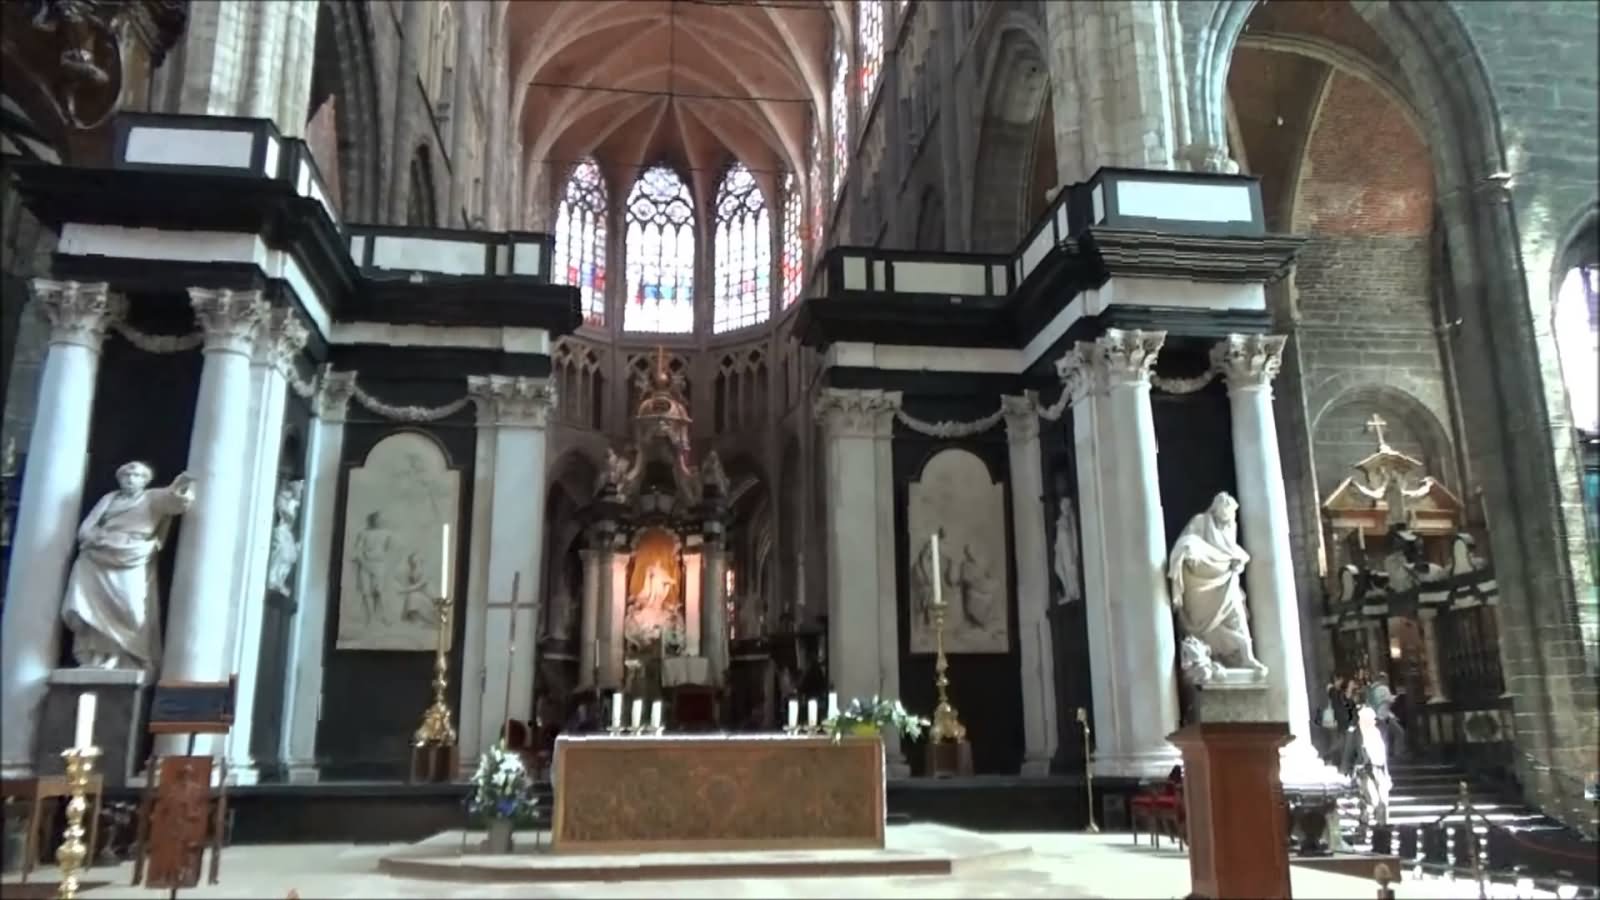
point(1362, 736)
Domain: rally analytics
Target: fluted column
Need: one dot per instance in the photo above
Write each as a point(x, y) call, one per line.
point(1248, 364)
point(863, 626)
point(1033, 585)
point(203, 605)
point(324, 453)
point(589, 621)
point(520, 408)
point(714, 609)
point(49, 507)
point(1131, 643)
point(279, 340)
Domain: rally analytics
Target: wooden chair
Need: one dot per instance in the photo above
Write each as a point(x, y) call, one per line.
point(1160, 809)
point(50, 787)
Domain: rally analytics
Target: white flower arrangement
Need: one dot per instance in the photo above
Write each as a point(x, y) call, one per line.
point(502, 788)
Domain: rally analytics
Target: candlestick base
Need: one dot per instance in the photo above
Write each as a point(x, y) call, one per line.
point(72, 852)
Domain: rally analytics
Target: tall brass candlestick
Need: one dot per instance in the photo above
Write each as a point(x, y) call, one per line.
point(947, 725)
point(435, 729)
point(1088, 770)
point(72, 852)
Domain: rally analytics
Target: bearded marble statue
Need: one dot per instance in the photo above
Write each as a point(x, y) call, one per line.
point(112, 606)
point(1204, 570)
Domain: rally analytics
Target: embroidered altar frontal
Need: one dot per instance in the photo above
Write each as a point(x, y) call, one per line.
point(710, 792)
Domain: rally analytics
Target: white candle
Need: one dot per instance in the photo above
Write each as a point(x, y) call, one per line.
point(833, 705)
point(638, 712)
point(938, 574)
point(655, 714)
point(85, 733)
point(811, 712)
point(794, 714)
point(616, 711)
point(444, 562)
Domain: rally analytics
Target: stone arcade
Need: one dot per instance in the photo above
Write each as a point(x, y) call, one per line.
point(530, 312)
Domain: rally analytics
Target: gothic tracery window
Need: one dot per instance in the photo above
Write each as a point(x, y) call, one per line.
point(660, 254)
point(581, 239)
point(869, 34)
point(816, 180)
point(794, 255)
point(743, 247)
point(839, 101)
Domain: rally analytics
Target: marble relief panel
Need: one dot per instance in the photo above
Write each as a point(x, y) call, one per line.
point(396, 509)
point(956, 497)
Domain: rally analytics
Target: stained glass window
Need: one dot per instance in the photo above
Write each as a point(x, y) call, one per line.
point(581, 240)
point(869, 34)
point(818, 174)
point(794, 252)
point(660, 254)
point(840, 103)
point(743, 248)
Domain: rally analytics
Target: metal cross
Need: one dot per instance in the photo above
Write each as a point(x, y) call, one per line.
point(1375, 425)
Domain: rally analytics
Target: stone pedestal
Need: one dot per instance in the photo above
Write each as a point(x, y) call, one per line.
point(1231, 701)
point(1236, 815)
point(119, 715)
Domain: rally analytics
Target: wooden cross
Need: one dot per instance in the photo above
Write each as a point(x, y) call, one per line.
point(1375, 425)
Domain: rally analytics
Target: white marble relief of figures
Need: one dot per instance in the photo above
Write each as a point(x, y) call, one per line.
point(111, 606)
point(956, 497)
point(396, 508)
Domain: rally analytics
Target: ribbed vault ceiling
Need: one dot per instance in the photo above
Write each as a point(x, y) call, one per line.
point(687, 82)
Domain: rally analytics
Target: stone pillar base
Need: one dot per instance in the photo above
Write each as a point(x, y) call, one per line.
point(1153, 764)
point(119, 719)
point(1232, 701)
point(1035, 767)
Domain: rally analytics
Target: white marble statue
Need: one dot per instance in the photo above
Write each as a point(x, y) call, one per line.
point(1204, 570)
point(112, 606)
point(285, 546)
point(1066, 561)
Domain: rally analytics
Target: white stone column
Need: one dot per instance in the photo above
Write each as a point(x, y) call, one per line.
point(1033, 585)
point(714, 610)
point(49, 508)
point(203, 604)
point(324, 452)
point(1249, 363)
point(520, 408)
point(279, 340)
point(863, 632)
point(1131, 643)
point(693, 565)
point(614, 600)
point(589, 621)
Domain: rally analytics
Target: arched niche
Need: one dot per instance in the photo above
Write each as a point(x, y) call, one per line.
point(955, 496)
point(1343, 435)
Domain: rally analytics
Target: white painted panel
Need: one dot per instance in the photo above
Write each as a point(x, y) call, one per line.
point(1052, 332)
point(358, 248)
point(526, 259)
point(525, 340)
point(269, 163)
point(1098, 196)
point(1063, 226)
point(1171, 292)
point(997, 274)
point(514, 340)
point(189, 147)
point(1186, 202)
point(855, 273)
point(857, 354)
point(880, 273)
point(938, 278)
point(1036, 250)
point(502, 260)
point(428, 255)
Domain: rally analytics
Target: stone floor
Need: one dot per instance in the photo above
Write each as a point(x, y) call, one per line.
point(1061, 865)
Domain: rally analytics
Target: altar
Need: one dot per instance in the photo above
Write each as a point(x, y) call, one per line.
point(717, 792)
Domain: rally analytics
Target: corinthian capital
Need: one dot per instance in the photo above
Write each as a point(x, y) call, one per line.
point(1022, 418)
point(229, 318)
point(77, 313)
point(334, 390)
point(1120, 357)
point(856, 413)
point(280, 338)
point(513, 400)
point(1248, 360)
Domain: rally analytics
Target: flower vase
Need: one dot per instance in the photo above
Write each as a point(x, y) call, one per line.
point(499, 835)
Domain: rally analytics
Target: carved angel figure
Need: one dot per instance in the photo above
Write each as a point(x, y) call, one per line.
point(1396, 497)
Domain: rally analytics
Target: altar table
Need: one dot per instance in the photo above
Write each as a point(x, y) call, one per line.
point(678, 793)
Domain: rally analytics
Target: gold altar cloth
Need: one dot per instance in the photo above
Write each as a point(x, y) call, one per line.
point(717, 792)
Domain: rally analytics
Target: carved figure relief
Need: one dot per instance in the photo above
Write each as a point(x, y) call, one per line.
point(655, 590)
point(956, 496)
point(285, 546)
point(111, 606)
point(396, 508)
